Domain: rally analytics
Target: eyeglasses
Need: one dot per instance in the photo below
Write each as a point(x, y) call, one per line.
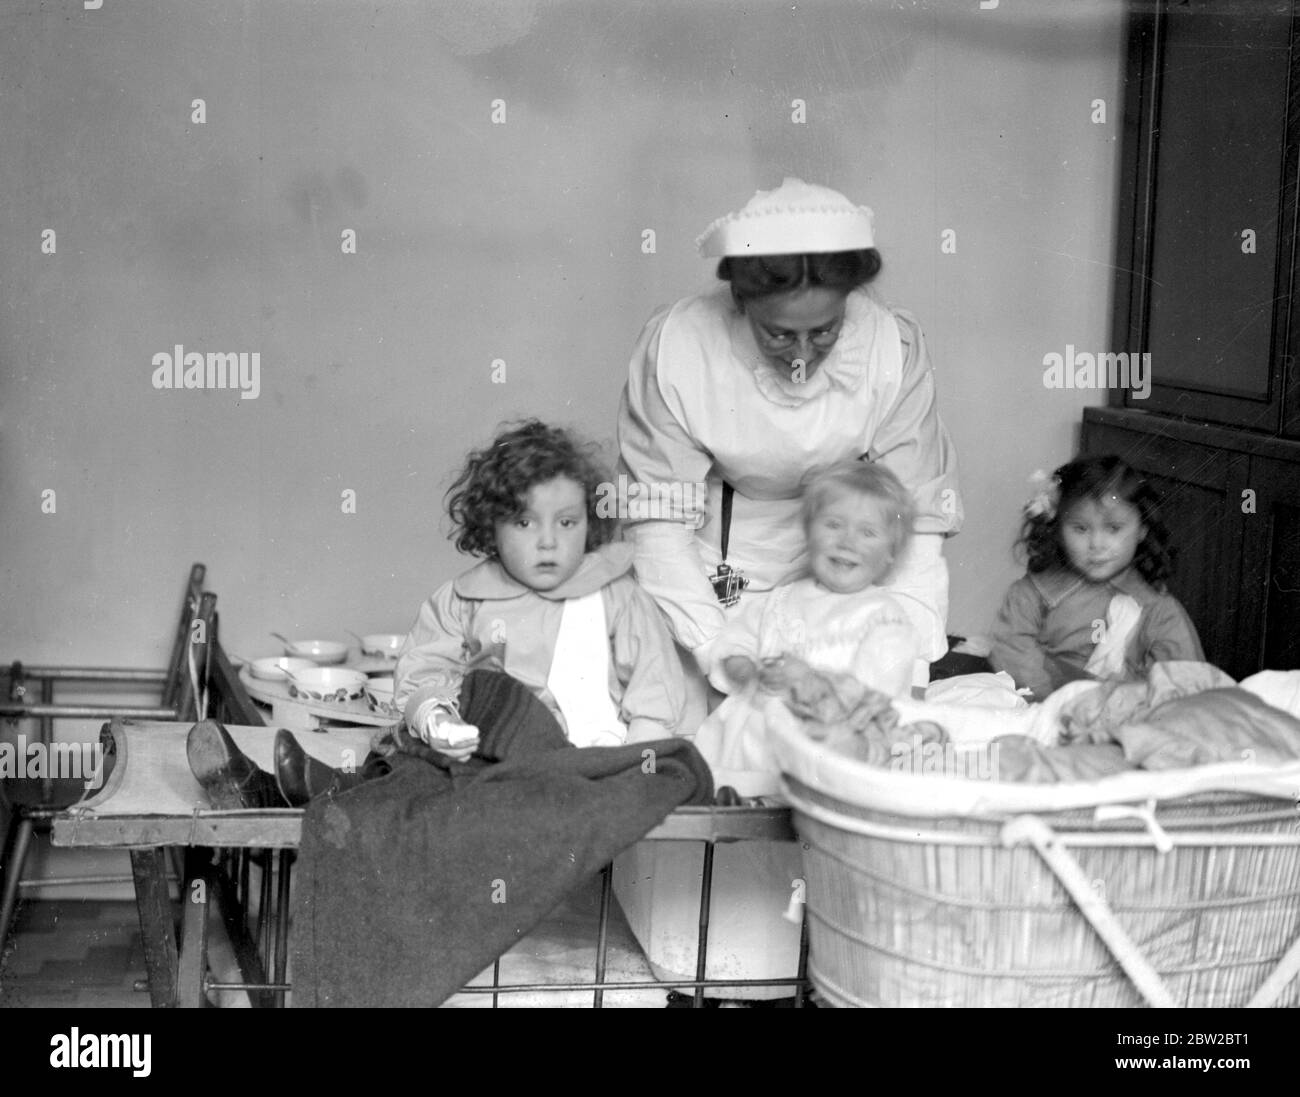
point(822, 339)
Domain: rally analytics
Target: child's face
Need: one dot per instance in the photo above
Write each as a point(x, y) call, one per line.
point(543, 545)
point(1101, 538)
point(850, 542)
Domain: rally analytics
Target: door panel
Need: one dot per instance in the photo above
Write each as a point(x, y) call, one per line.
point(1271, 568)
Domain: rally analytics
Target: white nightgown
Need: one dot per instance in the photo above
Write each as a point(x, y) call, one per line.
point(866, 635)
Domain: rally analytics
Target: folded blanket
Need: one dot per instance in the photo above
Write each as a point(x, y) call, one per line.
point(1218, 725)
point(1184, 714)
point(1095, 714)
point(410, 885)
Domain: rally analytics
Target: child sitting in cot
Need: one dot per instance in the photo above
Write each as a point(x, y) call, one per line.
point(553, 604)
point(551, 614)
point(858, 519)
point(1093, 601)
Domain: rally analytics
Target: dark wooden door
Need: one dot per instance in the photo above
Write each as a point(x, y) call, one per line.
point(1206, 257)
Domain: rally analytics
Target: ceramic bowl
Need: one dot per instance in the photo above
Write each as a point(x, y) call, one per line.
point(320, 652)
point(276, 668)
point(387, 644)
point(327, 684)
point(379, 695)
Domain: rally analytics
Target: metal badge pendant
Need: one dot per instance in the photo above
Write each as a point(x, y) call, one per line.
point(727, 584)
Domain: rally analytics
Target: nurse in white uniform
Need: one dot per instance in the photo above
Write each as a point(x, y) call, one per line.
point(790, 366)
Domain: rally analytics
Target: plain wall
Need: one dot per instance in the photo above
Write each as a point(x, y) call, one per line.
point(476, 242)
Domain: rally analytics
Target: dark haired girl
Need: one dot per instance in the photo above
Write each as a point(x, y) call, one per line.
point(1093, 602)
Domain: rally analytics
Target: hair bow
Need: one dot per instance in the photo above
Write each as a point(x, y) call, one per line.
point(1047, 494)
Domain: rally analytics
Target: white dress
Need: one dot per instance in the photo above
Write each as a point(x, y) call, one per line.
point(866, 635)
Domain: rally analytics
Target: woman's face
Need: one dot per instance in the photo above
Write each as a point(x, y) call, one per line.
point(796, 330)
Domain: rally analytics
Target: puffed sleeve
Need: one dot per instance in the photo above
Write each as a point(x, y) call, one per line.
point(431, 663)
point(912, 441)
point(655, 448)
point(1013, 642)
point(653, 704)
point(1167, 634)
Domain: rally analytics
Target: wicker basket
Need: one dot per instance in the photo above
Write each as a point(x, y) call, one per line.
point(918, 908)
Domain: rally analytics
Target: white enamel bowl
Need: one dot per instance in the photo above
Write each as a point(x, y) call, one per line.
point(379, 695)
point(387, 644)
point(320, 652)
point(327, 684)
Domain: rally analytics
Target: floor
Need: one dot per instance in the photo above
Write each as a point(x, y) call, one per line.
point(74, 953)
point(88, 952)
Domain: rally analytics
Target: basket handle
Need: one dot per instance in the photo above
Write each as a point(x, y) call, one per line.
point(1144, 813)
point(1032, 830)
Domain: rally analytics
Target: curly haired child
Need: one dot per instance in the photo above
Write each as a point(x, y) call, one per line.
point(1093, 601)
point(552, 604)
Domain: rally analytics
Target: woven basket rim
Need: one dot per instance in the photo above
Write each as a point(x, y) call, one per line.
point(934, 795)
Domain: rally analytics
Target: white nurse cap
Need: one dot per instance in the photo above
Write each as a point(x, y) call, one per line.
point(795, 219)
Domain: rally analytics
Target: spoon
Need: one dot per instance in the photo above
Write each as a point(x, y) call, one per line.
point(361, 639)
point(284, 640)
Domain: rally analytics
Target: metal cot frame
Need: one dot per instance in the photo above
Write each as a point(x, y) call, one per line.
point(221, 848)
point(176, 701)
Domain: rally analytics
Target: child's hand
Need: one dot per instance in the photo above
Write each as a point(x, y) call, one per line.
point(449, 736)
point(739, 668)
point(781, 672)
point(455, 753)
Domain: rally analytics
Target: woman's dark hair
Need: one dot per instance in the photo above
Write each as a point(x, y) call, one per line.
point(494, 484)
point(757, 276)
point(1100, 478)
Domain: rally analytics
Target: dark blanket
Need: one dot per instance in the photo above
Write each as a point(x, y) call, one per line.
point(408, 886)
